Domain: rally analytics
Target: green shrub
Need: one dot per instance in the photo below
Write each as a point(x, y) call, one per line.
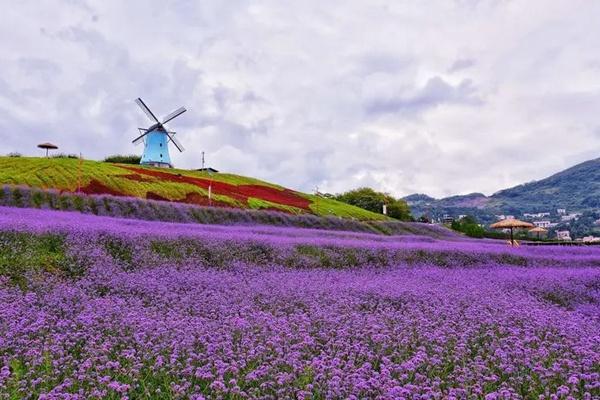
point(37, 198)
point(123, 159)
point(368, 199)
point(78, 203)
point(120, 250)
point(64, 202)
point(17, 197)
point(127, 209)
point(22, 252)
point(63, 155)
point(469, 226)
point(166, 249)
point(92, 205)
point(106, 203)
point(51, 200)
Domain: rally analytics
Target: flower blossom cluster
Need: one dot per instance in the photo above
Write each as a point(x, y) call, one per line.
point(150, 316)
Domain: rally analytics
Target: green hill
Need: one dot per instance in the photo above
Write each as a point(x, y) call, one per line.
point(227, 190)
point(576, 189)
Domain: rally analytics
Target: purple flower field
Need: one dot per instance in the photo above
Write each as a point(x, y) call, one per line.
point(151, 210)
point(107, 308)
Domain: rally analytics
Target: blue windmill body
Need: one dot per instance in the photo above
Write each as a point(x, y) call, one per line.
point(156, 149)
point(156, 138)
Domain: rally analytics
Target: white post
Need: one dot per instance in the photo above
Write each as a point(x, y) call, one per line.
point(385, 209)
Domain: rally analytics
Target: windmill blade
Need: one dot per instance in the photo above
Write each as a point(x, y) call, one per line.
point(138, 139)
point(176, 142)
point(174, 114)
point(146, 110)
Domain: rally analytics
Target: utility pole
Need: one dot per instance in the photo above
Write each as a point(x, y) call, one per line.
point(202, 161)
point(317, 200)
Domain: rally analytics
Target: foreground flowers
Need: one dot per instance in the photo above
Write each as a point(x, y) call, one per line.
point(176, 328)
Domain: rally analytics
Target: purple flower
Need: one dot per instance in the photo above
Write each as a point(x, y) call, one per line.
point(139, 309)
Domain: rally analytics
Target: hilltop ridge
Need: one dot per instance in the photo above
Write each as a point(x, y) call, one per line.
point(576, 189)
point(176, 185)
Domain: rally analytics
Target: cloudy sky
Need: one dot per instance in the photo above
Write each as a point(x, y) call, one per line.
point(437, 97)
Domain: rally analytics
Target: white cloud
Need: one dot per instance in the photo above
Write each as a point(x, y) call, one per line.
point(442, 98)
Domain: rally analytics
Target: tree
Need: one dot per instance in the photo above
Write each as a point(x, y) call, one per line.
point(469, 226)
point(398, 209)
point(371, 200)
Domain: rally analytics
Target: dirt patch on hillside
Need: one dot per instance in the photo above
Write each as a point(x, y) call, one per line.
point(95, 187)
point(154, 196)
point(238, 192)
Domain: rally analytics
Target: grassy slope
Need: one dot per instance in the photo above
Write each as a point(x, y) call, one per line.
point(62, 174)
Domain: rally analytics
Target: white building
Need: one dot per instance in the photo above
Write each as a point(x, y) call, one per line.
point(536, 215)
point(502, 217)
point(561, 211)
point(447, 219)
point(590, 239)
point(570, 217)
point(543, 224)
point(563, 235)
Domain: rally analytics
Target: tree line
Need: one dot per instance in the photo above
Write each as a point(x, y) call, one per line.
point(371, 200)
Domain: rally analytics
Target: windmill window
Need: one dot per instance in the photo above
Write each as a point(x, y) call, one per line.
point(161, 145)
point(161, 156)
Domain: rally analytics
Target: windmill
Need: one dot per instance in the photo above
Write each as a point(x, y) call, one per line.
point(156, 138)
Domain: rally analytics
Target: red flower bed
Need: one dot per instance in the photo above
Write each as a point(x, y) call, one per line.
point(242, 192)
point(190, 198)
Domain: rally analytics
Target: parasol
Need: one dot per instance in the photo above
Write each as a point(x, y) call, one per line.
point(511, 224)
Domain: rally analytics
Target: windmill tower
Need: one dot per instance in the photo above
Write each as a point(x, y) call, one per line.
point(156, 138)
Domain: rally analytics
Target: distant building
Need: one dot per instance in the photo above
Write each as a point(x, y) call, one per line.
point(447, 219)
point(543, 224)
point(209, 170)
point(570, 217)
point(536, 215)
point(561, 211)
point(502, 217)
point(563, 235)
point(590, 239)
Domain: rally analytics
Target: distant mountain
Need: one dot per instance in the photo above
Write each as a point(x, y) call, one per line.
point(418, 197)
point(576, 189)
